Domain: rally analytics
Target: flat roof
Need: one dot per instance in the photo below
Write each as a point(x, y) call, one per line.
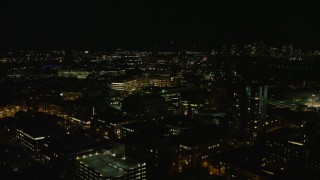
point(107, 165)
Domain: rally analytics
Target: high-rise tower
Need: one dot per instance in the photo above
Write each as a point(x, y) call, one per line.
point(247, 112)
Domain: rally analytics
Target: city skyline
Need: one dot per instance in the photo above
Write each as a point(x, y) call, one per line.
point(153, 90)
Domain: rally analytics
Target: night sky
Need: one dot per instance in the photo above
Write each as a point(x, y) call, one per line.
point(135, 25)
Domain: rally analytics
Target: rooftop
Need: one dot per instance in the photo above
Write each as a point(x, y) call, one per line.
point(107, 165)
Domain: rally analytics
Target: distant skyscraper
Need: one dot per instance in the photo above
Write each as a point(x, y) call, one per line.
point(291, 49)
